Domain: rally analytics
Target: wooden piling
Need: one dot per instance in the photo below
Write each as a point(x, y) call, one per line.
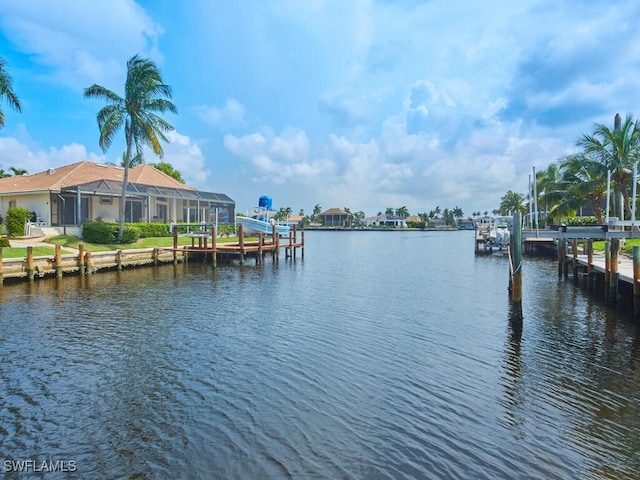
point(276, 239)
point(58, 261)
point(614, 275)
point(302, 242)
point(295, 238)
point(214, 247)
point(590, 273)
point(119, 259)
point(607, 268)
point(562, 256)
point(81, 265)
point(30, 270)
point(1, 279)
point(260, 257)
point(87, 263)
point(516, 268)
point(241, 240)
point(155, 253)
point(175, 244)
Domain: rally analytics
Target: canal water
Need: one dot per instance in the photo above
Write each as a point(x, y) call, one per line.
point(379, 355)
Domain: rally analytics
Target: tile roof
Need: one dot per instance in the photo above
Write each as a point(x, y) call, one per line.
point(334, 211)
point(83, 172)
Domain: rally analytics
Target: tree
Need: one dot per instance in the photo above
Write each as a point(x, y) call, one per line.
point(512, 202)
point(616, 150)
point(584, 180)
point(402, 212)
point(457, 213)
point(6, 91)
point(389, 211)
point(167, 168)
point(4, 174)
point(18, 171)
point(145, 93)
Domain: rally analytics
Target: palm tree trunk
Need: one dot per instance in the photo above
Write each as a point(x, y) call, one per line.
point(125, 182)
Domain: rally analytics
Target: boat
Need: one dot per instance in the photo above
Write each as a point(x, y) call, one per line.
point(261, 220)
point(499, 234)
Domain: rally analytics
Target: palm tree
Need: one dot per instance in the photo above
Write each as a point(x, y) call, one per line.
point(6, 91)
point(457, 213)
point(512, 202)
point(584, 180)
point(18, 171)
point(616, 150)
point(389, 211)
point(145, 93)
point(4, 174)
point(402, 212)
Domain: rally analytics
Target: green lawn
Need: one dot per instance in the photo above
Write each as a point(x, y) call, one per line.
point(152, 242)
point(627, 248)
point(21, 252)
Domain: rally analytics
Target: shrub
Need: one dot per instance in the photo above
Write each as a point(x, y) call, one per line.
point(4, 242)
point(100, 232)
point(15, 220)
point(148, 230)
point(578, 221)
point(421, 225)
point(129, 235)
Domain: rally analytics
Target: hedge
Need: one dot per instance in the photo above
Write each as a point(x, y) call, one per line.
point(4, 242)
point(107, 233)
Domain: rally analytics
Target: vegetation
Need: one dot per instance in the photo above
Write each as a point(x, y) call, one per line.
point(167, 168)
point(15, 220)
point(4, 242)
point(21, 252)
point(153, 242)
point(6, 91)
point(145, 94)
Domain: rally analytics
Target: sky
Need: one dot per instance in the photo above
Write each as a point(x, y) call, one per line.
point(365, 104)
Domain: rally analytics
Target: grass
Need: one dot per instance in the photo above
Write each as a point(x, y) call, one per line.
point(151, 242)
point(21, 252)
point(627, 249)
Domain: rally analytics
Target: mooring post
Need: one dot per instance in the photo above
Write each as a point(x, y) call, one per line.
point(590, 274)
point(155, 256)
point(260, 247)
point(175, 244)
point(81, 266)
point(241, 242)
point(613, 277)
point(214, 246)
point(574, 254)
point(290, 249)
point(562, 255)
point(607, 268)
point(636, 280)
point(30, 270)
point(119, 259)
point(302, 242)
point(295, 239)
point(58, 261)
point(516, 266)
point(87, 262)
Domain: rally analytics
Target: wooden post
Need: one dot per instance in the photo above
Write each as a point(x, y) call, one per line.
point(302, 241)
point(613, 277)
point(175, 244)
point(295, 239)
point(81, 266)
point(214, 247)
point(87, 262)
point(30, 270)
point(562, 255)
point(607, 268)
point(58, 261)
point(516, 268)
point(260, 257)
point(276, 238)
point(155, 256)
point(119, 259)
point(1, 279)
point(636, 279)
point(241, 241)
point(290, 249)
point(574, 254)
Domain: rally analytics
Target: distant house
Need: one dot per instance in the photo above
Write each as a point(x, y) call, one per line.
point(414, 219)
point(385, 220)
point(65, 197)
point(335, 217)
point(293, 220)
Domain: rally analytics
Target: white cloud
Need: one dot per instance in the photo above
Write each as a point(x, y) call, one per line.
point(186, 157)
point(232, 114)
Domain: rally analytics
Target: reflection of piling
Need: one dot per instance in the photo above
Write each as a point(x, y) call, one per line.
point(562, 256)
point(516, 269)
point(590, 272)
point(574, 254)
point(636, 279)
point(607, 268)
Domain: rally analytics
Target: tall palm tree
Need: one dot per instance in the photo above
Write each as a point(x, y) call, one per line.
point(457, 213)
point(512, 202)
point(584, 180)
point(18, 171)
point(145, 93)
point(402, 212)
point(6, 91)
point(617, 150)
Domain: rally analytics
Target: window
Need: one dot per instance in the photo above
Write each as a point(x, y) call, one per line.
point(106, 200)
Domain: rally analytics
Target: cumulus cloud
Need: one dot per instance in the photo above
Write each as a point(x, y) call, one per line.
point(186, 157)
point(232, 114)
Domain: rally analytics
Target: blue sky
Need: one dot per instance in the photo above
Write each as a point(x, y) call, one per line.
point(359, 104)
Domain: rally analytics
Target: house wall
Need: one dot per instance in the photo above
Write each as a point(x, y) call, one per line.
point(104, 208)
point(38, 203)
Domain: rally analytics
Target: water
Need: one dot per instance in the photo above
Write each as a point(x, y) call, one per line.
point(380, 355)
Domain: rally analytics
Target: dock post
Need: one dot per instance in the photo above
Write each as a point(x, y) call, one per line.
point(302, 241)
point(260, 258)
point(155, 256)
point(590, 274)
point(289, 251)
point(87, 262)
point(574, 254)
point(562, 255)
point(295, 239)
point(636, 279)
point(30, 270)
point(58, 261)
point(607, 268)
point(241, 242)
point(516, 269)
point(81, 266)
point(613, 277)
point(214, 246)
point(119, 259)
point(175, 244)
point(1, 279)
point(276, 238)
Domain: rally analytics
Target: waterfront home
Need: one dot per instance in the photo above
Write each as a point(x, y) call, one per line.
point(63, 198)
point(335, 217)
point(385, 220)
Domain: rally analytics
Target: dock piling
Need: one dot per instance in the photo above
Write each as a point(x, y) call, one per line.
point(30, 270)
point(613, 276)
point(516, 269)
point(58, 261)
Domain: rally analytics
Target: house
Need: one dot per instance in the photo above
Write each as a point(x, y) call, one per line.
point(385, 220)
point(335, 217)
point(292, 220)
point(65, 197)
